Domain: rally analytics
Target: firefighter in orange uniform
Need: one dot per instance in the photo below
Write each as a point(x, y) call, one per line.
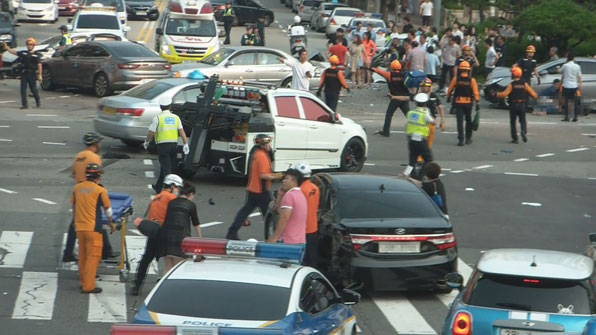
point(465, 91)
point(518, 91)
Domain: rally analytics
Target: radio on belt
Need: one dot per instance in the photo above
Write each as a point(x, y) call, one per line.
point(249, 249)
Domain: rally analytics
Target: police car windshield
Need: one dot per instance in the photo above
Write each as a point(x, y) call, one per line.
point(531, 294)
point(190, 27)
point(211, 299)
point(364, 204)
point(218, 57)
point(97, 21)
point(148, 91)
point(108, 3)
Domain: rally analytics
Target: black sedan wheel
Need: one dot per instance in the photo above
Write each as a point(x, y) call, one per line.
point(352, 157)
point(46, 80)
point(101, 86)
point(153, 16)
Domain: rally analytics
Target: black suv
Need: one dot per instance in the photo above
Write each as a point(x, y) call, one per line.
point(142, 9)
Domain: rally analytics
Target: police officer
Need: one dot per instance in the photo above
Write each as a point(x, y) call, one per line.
point(30, 70)
point(228, 19)
point(518, 92)
point(528, 66)
point(65, 39)
point(436, 109)
point(333, 80)
point(399, 93)
point(417, 131)
point(249, 37)
point(258, 190)
point(465, 91)
point(166, 127)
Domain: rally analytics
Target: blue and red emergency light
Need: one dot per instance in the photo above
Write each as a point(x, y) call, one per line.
point(250, 249)
point(124, 329)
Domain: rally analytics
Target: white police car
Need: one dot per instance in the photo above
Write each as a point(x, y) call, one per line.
point(264, 291)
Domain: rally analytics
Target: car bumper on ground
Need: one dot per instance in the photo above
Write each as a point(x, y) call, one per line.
point(383, 274)
point(29, 15)
point(124, 129)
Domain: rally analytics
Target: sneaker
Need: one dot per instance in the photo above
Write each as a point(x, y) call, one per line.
point(382, 133)
point(514, 141)
point(574, 119)
point(112, 255)
point(24, 107)
point(233, 236)
point(460, 143)
point(524, 137)
point(38, 104)
point(565, 120)
point(69, 258)
point(468, 141)
point(95, 290)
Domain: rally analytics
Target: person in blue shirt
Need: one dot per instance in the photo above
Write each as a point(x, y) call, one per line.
point(550, 93)
point(432, 63)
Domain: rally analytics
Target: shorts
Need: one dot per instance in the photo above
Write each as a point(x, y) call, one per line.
point(569, 92)
point(426, 20)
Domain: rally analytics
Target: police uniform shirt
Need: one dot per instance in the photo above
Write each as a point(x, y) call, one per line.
point(29, 61)
point(154, 124)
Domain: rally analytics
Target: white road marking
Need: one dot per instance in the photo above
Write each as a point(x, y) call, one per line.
point(5, 140)
point(397, 132)
point(45, 201)
point(147, 162)
point(592, 178)
point(533, 204)
point(210, 224)
point(449, 132)
point(369, 164)
point(482, 167)
point(589, 134)
point(36, 297)
point(490, 122)
point(577, 149)
point(16, 245)
point(7, 101)
point(545, 155)
point(51, 98)
point(136, 248)
point(521, 159)
point(64, 96)
point(446, 169)
point(53, 127)
point(54, 143)
point(109, 305)
point(7, 191)
point(149, 174)
point(149, 186)
point(521, 174)
point(457, 171)
point(3, 126)
point(402, 314)
point(469, 189)
point(252, 215)
point(465, 270)
point(50, 115)
point(542, 123)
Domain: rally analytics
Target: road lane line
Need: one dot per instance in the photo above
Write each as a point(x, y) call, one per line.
point(545, 155)
point(53, 127)
point(2, 126)
point(135, 245)
point(45, 201)
point(14, 245)
point(465, 270)
point(457, 171)
point(521, 174)
point(109, 305)
point(142, 32)
point(577, 149)
point(589, 134)
point(7, 101)
point(149, 31)
point(36, 297)
point(542, 123)
point(449, 132)
point(369, 164)
point(147, 162)
point(533, 204)
point(49, 115)
point(149, 186)
point(482, 167)
point(7, 191)
point(254, 214)
point(149, 174)
point(210, 224)
point(592, 178)
point(54, 143)
point(521, 159)
point(5, 140)
point(402, 314)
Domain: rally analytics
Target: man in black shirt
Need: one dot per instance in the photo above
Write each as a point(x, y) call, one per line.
point(407, 25)
point(338, 34)
point(500, 49)
point(30, 70)
point(260, 31)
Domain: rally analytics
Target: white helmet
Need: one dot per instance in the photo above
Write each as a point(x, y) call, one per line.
point(164, 100)
point(421, 98)
point(173, 179)
point(304, 169)
point(296, 19)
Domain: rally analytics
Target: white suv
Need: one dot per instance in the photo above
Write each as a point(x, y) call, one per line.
point(98, 20)
point(37, 10)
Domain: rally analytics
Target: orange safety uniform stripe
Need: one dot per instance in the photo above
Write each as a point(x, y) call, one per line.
point(159, 205)
point(87, 199)
point(311, 193)
point(260, 164)
point(81, 160)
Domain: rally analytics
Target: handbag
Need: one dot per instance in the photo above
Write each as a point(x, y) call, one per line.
point(476, 121)
point(437, 198)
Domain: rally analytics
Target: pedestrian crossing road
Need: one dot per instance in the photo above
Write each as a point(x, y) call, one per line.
point(34, 295)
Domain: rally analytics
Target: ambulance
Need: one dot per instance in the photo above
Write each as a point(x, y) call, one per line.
point(187, 31)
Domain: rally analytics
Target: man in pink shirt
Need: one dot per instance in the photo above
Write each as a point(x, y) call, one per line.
point(291, 227)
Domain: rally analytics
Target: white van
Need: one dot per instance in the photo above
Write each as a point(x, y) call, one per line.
point(187, 31)
point(118, 4)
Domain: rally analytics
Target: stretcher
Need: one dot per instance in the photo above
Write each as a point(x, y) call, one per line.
point(121, 211)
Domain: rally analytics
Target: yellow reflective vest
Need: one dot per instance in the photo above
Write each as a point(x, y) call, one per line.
point(416, 122)
point(167, 128)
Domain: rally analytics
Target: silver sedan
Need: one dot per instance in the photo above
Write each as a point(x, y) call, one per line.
point(249, 64)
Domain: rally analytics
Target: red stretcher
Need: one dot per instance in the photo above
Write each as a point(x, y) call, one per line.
point(121, 211)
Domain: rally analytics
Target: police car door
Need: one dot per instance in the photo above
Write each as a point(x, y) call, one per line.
point(324, 135)
point(290, 132)
point(325, 312)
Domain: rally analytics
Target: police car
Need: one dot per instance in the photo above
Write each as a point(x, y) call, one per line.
point(248, 288)
point(524, 292)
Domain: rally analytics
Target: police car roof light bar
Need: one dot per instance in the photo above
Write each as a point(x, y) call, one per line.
point(250, 249)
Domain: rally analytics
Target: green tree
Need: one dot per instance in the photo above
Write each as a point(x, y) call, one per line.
point(560, 23)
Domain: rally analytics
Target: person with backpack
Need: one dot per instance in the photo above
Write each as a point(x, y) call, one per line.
point(465, 91)
point(398, 92)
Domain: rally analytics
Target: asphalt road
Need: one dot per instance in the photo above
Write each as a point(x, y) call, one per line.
point(538, 194)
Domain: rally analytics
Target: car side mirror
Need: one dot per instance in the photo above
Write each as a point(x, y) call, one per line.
point(543, 73)
point(454, 280)
point(350, 297)
point(159, 31)
point(126, 28)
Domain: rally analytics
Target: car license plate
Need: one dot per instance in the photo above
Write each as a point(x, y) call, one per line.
point(141, 12)
point(109, 110)
point(514, 332)
point(399, 248)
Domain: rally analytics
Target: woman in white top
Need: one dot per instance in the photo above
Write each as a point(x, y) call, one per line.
point(357, 56)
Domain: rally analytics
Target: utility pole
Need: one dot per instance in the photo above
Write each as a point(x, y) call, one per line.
point(437, 14)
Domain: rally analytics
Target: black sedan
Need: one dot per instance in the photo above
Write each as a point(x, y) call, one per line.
point(141, 9)
point(104, 66)
point(384, 232)
point(247, 11)
point(8, 32)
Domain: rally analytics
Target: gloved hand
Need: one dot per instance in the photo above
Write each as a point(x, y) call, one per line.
point(145, 144)
point(112, 227)
point(477, 107)
point(349, 91)
point(318, 94)
point(185, 149)
point(449, 99)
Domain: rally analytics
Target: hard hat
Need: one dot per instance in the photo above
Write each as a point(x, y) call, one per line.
point(91, 138)
point(164, 100)
point(93, 171)
point(63, 28)
point(32, 41)
point(395, 65)
point(426, 82)
point(421, 98)
point(464, 66)
point(173, 179)
point(262, 139)
point(333, 59)
point(296, 19)
point(466, 48)
point(196, 74)
point(516, 71)
point(304, 169)
point(531, 49)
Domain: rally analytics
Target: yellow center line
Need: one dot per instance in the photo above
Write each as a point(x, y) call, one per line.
point(142, 31)
point(151, 28)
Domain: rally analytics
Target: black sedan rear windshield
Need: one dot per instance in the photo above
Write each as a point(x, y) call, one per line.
point(131, 50)
point(220, 300)
point(148, 91)
point(98, 21)
point(531, 294)
point(358, 204)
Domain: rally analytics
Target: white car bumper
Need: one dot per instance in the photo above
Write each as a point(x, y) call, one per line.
point(36, 15)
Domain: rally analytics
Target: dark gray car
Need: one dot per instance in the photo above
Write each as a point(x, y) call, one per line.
point(104, 66)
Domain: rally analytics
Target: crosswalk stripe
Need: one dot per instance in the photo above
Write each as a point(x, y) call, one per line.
point(465, 270)
point(109, 305)
point(37, 293)
point(14, 246)
point(136, 248)
point(402, 315)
